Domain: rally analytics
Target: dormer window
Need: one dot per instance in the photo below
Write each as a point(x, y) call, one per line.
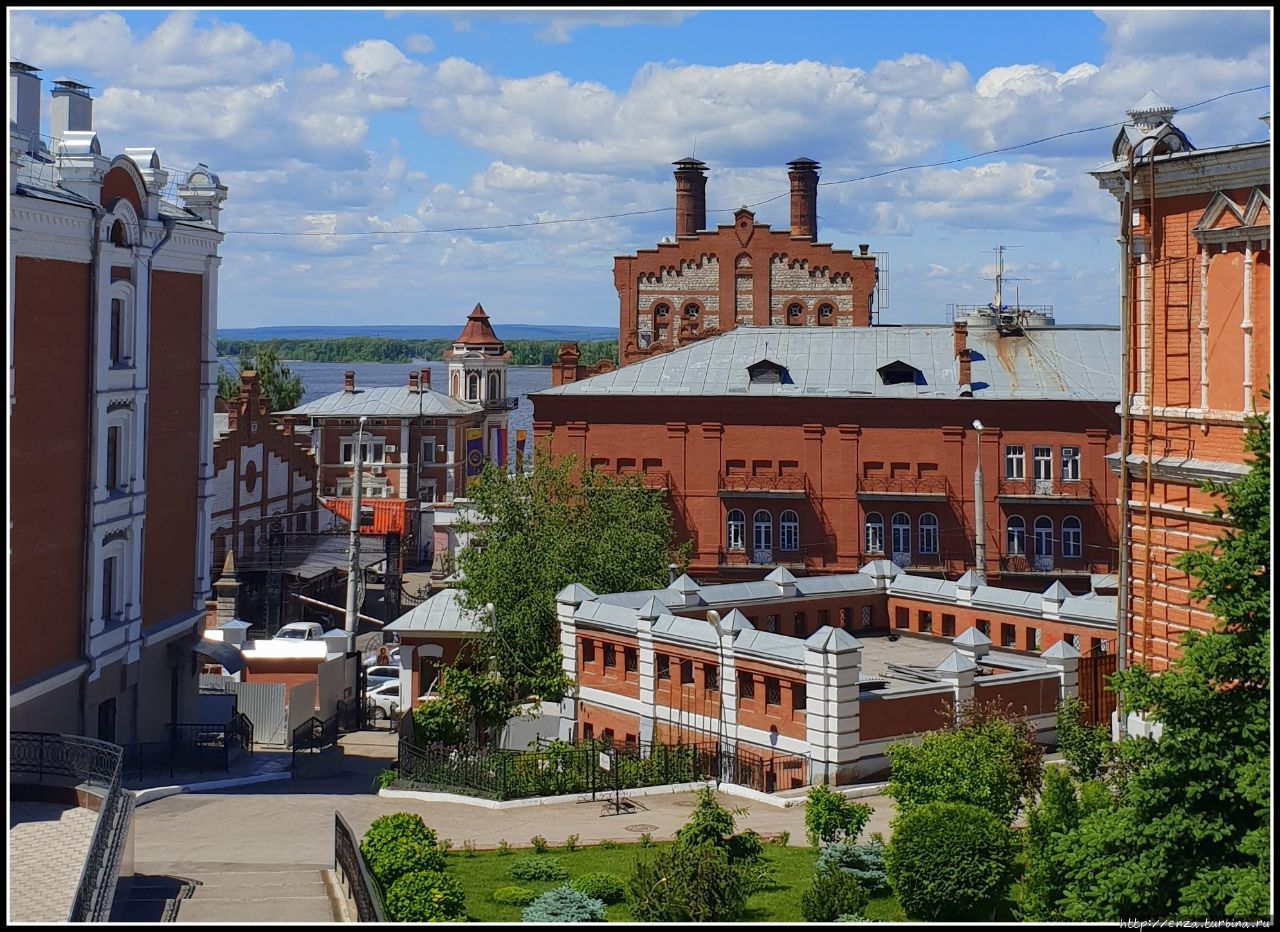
point(900, 373)
point(768, 372)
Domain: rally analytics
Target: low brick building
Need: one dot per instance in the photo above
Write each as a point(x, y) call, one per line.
point(817, 676)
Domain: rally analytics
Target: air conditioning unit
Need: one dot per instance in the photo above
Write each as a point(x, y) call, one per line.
point(377, 470)
point(328, 490)
point(391, 448)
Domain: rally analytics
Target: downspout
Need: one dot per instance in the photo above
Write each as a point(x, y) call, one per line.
point(1150, 395)
point(86, 569)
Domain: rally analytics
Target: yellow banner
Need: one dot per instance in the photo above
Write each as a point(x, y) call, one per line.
point(475, 433)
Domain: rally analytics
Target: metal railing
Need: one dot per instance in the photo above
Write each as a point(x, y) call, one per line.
point(906, 486)
point(1081, 489)
point(349, 865)
point(795, 484)
point(314, 735)
point(501, 404)
point(810, 555)
point(190, 746)
point(1022, 563)
point(96, 765)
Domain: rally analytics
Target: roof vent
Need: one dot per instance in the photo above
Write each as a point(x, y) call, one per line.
point(768, 372)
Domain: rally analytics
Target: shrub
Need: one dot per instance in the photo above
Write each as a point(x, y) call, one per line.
point(385, 778)
point(571, 843)
point(514, 896)
point(949, 861)
point(468, 849)
point(446, 845)
point(538, 867)
point(601, 885)
point(539, 844)
point(564, 904)
point(783, 839)
point(745, 847)
point(831, 817)
point(608, 845)
point(832, 894)
point(864, 862)
point(709, 821)
point(395, 826)
point(1085, 747)
point(393, 860)
point(646, 840)
point(426, 896)
point(503, 848)
point(688, 884)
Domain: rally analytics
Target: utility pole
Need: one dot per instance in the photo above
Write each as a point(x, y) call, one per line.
point(979, 524)
point(353, 566)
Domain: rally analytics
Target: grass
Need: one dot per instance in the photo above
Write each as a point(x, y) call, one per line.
point(486, 871)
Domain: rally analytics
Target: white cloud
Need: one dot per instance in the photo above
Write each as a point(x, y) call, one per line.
point(1205, 33)
point(418, 43)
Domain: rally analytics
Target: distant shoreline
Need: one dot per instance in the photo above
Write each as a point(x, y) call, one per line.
point(540, 353)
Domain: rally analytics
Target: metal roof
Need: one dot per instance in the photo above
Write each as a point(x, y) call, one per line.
point(442, 613)
point(395, 401)
point(1079, 363)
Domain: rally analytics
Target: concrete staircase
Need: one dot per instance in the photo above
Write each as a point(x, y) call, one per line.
point(254, 894)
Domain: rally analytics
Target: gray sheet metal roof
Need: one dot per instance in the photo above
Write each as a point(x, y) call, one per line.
point(922, 585)
point(1099, 608)
point(1077, 363)
point(395, 401)
point(442, 613)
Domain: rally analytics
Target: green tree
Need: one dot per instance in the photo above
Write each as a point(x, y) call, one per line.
point(830, 817)
point(546, 530)
point(689, 884)
point(1188, 836)
point(282, 389)
point(1086, 748)
point(988, 758)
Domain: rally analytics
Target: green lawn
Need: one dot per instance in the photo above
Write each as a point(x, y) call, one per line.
point(486, 871)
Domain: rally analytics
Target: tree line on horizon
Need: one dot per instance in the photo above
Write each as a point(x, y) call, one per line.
point(387, 350)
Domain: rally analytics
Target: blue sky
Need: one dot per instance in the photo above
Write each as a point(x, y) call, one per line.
point(387, 122)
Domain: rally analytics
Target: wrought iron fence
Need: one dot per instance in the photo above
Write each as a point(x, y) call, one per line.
point(741, 482)
point(315, 734)
point(350, 867)
point(1047, 488)
point(190, 746)
point(906, 486)
point(41, 757)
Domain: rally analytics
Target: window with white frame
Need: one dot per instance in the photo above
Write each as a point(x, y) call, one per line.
point(113, 458)
point(428, 450)
point(762, 530)
point(736, 530)
point(901, 529)
point(120, 325)
point(1015, 462)
point(1016, 537)
point(1071, 463)
point(110, 589)
point(473, 386)
point(117, 335)
point(789, 531)
point(874, 525)
point(928, 533)
point(1043, 531)
point(372, 450)
point(1071, 537)
point(1042, 462)
point(494, 390)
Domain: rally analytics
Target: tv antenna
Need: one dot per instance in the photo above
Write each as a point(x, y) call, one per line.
point(997, 304)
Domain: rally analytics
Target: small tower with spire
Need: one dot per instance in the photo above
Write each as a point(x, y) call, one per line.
point(477, 364)
point(1152, 121)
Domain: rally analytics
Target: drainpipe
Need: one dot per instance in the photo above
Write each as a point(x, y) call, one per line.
point(86, 569)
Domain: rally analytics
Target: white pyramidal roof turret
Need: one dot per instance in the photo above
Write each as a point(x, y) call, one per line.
point(736, 621)
point(1061, 650)
point(832, 640)
point(956, 662)
point(972, 637)
point(651, 609)
point(1057, 592)
point(683, 583)
point(781, 575)
point(575, 593)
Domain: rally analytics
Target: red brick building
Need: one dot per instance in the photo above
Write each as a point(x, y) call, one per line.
point(742, 274)
point(1196, 282)
point(820, 449)
point(113, 271)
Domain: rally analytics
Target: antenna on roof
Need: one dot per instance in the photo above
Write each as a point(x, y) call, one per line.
point(695, 147)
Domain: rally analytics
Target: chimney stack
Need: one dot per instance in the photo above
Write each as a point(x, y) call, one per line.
point(71, 110)
point(349, 382)
point(424, 380)
point(864, 248)
point(804, 199)
point(691, 196)
point(960, 348)
point(24, 98)
point(413, 381)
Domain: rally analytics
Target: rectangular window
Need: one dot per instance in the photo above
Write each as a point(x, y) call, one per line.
point(1008, 635)
point(1072, 640)
point(1099, 646)
point(610, 656)
point(1042, 458)
point(746, 686)
point(686, 672)
point(866, 616)
point(797, 622)
point(984, 626)
point(1071, 463)
point(711, 676)
point(429, 450)
point(1015, 462)
point(108, 589)
point(664, 667)
point(630, 661)
point(113, 458)
point(902, 617)
point(588, 731)
point(948, 626)
point(631, 739)
point(771, 623)
point(588, 652)
point(772, 691)
point(1033, 639)
point(926, 622)
point(797, 697)
point(824, 616)
point(117, 331)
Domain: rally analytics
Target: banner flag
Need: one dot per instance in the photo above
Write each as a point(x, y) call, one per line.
point(475, 451)
point(502, 447)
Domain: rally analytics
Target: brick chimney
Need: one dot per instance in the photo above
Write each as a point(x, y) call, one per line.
point(804, 198)
point(864, 248)
point(566, 370)
point(960, 349)
point(413, 381)
point(349, 382)
point(691, 196)
point(424, 379)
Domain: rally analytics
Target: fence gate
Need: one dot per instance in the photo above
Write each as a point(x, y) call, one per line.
point(1093, 672)
point(263, 704)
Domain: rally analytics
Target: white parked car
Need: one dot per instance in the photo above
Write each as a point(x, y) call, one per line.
point(385, 699)
point(300, 631)
point(379, 674)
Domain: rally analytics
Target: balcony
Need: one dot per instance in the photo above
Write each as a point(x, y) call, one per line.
point(500, 404)
point(919, 488)
point(808, 556)
point(741, 485)
point(1021, 564)
point(1060, 491)
point(654, 479)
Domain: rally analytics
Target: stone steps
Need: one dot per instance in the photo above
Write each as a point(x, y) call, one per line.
point(258, 896)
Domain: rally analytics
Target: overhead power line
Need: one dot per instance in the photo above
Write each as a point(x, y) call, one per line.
point(769, 199)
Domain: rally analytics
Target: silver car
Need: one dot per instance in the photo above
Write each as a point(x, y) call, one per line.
point(384, 699)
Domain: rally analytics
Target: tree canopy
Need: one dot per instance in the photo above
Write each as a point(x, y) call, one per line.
point(385, 349)
point(282, 389)
point(1187, 835)
point(545, 530)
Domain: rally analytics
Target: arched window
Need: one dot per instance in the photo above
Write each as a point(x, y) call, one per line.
point(736, 530)
point(928, 533)
point(762, 530)
point(1016, 537)
point(901, 528)
point(826, 312)
point(118, 236)
point(120, 335)
point(473, 386)
point(1043, 533)
point(874, 532)
point(661, 310)
point(494, 389)
point(789, 531)
point(691, 310)
point(795, 310)
point(1072, 545)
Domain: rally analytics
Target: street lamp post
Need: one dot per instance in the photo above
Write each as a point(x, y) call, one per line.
point(979, 525)
point(713, 617)
point(353, 547)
